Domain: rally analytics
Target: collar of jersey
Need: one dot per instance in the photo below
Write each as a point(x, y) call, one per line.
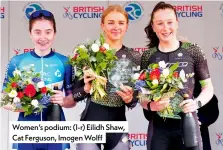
point(171, 51)
point(37, 56)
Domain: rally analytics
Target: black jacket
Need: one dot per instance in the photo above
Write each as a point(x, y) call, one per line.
point(207, 114)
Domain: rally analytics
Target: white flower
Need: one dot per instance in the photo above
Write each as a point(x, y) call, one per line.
point(34, 103)
point(16, 72)
point(29, 81)
point(105, 45)
point(162, 64)
point(13, 94)
point(191, 75)
point(98, 42)
point(136, 76)
point(16, 100)
point(166, 72)
point(183, 76)
point(40, 84)
point(82, 46)
point(155, 82)
point(92, 59)
point(75, 51)
point(95, 47)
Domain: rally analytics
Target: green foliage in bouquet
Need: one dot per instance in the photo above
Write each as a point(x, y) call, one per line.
point(96, 59)
point(26, 91)
point(160, 81)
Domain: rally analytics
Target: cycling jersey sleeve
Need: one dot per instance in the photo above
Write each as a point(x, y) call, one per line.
point(200, 63)
point(68, 74)
point(144, 65)
point(145, 58)
point(14, 62)
point(78, 90)
point(68, 77)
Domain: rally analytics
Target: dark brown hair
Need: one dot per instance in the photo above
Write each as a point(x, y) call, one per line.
point(151, 35)
point(42, 15)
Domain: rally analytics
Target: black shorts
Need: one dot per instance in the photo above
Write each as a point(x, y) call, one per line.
point(167, 135)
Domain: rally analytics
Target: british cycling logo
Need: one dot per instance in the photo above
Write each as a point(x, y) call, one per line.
point(30, 8)
point(134, 10)
point(18, 51)
point(189, 11)
point(2, 12)
point(83, 12)
point(219, 140)
point(217, 52)
point(221, 10)
point(138, 139)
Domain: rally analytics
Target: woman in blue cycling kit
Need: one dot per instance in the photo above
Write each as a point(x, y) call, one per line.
point(53, 69)
point(166, 134)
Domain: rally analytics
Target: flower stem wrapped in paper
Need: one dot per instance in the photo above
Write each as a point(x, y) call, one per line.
point(26, 91)
point(98, 84)
point(94, 59)
point(160, 82)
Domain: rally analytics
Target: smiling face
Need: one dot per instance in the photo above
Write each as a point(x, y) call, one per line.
point(114, 25)
point(165, 25)
point(42, 34)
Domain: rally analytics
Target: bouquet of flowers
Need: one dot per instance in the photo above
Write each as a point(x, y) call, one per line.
point(160, 81)
point(26, 91)
point(95, 59)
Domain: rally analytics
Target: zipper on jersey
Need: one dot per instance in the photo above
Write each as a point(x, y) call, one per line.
point(41, 114)
point(168, 58)
point(42, 67)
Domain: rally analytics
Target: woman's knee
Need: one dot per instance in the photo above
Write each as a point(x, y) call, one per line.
point(124, 143)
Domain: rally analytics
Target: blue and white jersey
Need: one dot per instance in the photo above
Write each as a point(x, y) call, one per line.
point(54, 69)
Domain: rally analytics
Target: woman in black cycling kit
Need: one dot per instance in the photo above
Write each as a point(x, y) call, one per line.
point(164, 46)
point(114, 24)
point(205, 116)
